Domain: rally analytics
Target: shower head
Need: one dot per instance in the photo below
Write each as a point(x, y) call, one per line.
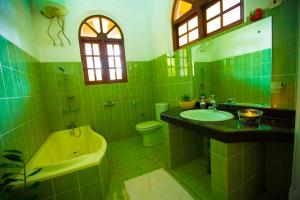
point(61, 69)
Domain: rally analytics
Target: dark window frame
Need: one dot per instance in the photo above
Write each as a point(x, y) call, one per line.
point(199, 9)
point(102, 40)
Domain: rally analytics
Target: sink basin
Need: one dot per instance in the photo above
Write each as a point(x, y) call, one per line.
point(205, 115)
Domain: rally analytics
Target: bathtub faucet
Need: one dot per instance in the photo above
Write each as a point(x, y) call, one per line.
point(72, 126)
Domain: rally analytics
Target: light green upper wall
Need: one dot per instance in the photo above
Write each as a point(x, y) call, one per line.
point(146, 26)
point(161, 27)
point(132, 16)
point(16, 24)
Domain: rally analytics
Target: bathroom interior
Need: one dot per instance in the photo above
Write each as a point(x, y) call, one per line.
point(144, 100)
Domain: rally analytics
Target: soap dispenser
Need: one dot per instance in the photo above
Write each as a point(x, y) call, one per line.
point(202, 103)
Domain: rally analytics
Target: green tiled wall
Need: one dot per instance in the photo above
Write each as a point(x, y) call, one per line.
point(247, 78)
point(133, 100)
point(185, 145)
point(284, 69)
point(87, 184)
point(278, 169)
point(23, 119)
point(237, 170)
point(284, 44)
point(173, 77)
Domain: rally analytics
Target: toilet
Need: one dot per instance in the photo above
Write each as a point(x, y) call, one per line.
point(151, 130)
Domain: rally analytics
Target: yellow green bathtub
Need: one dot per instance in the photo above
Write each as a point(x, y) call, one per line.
point(74, 166)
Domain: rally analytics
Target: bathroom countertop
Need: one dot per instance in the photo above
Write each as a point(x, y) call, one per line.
point(269, 130)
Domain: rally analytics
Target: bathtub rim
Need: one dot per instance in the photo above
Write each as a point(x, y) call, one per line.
point(30, 162)
point(78, 163)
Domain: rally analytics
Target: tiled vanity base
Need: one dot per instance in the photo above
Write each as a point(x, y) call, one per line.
point(237, 170)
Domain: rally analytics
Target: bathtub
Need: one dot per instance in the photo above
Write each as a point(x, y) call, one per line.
point(73, 162)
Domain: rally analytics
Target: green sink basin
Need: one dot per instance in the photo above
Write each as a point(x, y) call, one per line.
point(205, 115)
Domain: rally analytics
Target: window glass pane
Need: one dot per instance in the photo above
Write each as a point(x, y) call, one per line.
point(111, 62)
point(100, 64)
point(89, 62)
point(96, 50)
point(232, 16)
point(193, 35)
point(181, 7)
point(112, 74)
point(171, 72)
point(91, 75)
point(97, 62)
point(110, 50)
point(213, 25)
point(182, 55)
point(94, 23)
point(193, 23)
point(182, 29)
point(173, 61)
point(169, 62)
point(119, 73)
point(183, 40)
point(115, 33)
point(118, 61)
point(213, 11)
point(116, 50)
point(229, 3)
point(98, 74)
point(87, 31)
point(88, 49)
point(106, 24)
point(183, 71)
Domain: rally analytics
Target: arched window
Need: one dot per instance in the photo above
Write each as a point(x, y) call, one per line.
point(196, 19)
point(102, 50)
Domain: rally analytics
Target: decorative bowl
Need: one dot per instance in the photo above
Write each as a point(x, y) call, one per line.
point(185, 105)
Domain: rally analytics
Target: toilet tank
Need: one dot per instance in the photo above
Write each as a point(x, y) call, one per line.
point(159, 108)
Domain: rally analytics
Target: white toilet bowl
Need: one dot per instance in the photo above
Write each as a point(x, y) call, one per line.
point(151, 130)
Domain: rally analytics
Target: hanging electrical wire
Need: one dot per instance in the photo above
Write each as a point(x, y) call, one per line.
point(61, 42)
point(61, 24)
point(48, 31)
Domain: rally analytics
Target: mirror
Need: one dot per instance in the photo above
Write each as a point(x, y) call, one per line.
point(236, 65)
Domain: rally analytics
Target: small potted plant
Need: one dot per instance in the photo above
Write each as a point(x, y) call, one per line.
point(186, 102)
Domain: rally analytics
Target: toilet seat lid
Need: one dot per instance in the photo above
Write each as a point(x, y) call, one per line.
point(148, 124)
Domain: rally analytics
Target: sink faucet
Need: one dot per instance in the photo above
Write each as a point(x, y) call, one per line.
point(213, 102)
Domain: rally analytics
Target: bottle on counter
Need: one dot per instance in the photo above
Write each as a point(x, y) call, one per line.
point(202, 103)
